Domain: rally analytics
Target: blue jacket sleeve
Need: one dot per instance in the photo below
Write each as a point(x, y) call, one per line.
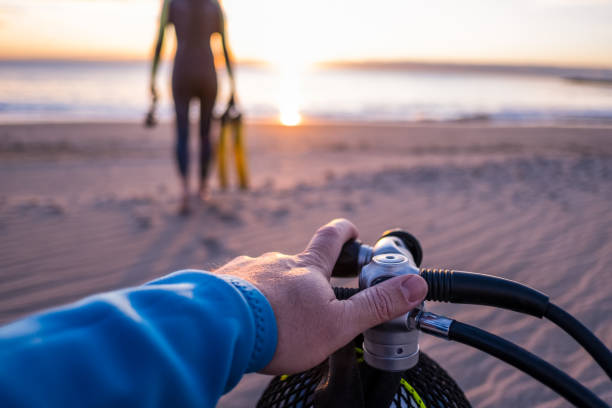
point(180, 341)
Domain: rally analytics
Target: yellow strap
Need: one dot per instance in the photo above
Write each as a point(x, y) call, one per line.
point(222, 156)
point(415, 395)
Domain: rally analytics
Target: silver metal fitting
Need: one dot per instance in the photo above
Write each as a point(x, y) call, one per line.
point(385, 266)
point(393, 345)
point(433, 324)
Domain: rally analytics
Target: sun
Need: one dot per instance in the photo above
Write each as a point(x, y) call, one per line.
point(289, 70)
point(289, 96)
point(290, 117)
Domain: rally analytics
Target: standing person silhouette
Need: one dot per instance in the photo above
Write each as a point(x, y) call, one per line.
point(193, 77)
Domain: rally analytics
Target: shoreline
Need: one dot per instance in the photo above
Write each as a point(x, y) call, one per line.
point(332, 122)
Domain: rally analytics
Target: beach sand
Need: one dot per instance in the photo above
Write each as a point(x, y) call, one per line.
point(92, 207)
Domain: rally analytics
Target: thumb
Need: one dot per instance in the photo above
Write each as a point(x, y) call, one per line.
point(383, 302)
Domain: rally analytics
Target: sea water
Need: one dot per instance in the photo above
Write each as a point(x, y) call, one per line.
point(32, 91)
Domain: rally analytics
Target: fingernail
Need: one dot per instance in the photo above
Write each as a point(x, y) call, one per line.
point(415, 288)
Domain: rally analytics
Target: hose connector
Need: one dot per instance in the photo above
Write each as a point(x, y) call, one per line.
point(433, 324)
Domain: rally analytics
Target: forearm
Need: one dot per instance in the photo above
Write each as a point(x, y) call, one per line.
point(183, 340)
point(227, 55)
point(156, 58)
point(163, 22)
point(228, 63)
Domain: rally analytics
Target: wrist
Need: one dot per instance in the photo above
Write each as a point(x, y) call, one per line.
point(262, 341)
point(266, 334)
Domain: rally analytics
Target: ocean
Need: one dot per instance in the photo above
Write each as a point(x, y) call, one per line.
point(67, 91)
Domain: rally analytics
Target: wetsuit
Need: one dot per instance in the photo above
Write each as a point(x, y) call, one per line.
point(194, 75)
point(180, 341)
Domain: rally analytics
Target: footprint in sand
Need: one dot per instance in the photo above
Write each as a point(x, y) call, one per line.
point(347, 207)
point(228, 217)
point(53, 209)
point(143, 221)
point(280, 212)
point(145, 217)
point(36, 207)
point(212, 244)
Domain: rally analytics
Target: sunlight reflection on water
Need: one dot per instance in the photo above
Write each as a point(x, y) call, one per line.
point(31, 91)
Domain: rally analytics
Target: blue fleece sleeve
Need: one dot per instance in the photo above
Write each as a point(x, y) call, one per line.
point(180, 341)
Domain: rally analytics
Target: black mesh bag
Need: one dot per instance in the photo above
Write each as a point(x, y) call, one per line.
point(344, 380)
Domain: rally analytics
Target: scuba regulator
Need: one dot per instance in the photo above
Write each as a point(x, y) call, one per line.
point(393, 345)
point(397, 373)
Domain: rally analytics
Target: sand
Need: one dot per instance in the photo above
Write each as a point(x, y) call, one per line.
point(92, 207)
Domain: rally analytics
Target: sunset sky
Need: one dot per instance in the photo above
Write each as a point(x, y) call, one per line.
point(562, 32)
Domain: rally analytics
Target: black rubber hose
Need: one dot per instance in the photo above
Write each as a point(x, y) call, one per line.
point(347, 264)
point(582, 335)
point(478, 289)
point(527, 362)
point(474, 288)
point(344, 293)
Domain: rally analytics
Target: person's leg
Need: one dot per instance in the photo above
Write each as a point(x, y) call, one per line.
point(181, 106)
point(206, 110)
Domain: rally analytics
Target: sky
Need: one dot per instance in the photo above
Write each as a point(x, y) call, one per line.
point(549, 32)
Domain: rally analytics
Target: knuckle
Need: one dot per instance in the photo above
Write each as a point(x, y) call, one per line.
point(341, 221)
point(310, 258)
point(279, 259)
point(380, 301)
point(329, 232)
point(237, 262)
point(286, 261)
point(242, 259)
point(345, 225)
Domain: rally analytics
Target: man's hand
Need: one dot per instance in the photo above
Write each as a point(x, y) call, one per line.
point(153, 90)
point(311, 323)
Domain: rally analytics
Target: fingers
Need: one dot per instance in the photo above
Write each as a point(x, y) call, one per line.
point(380, 303)
point(153, 90)
point(324, 247)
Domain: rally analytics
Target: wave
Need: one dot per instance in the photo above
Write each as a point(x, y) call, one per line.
point(507, 116)
point(61, 112)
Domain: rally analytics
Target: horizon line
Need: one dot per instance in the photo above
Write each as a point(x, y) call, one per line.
point(386, 64)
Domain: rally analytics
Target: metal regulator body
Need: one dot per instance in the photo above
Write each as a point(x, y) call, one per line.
point(393, 345)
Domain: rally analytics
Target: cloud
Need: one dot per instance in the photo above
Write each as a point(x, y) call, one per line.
point(575, 2)
point(11, 7)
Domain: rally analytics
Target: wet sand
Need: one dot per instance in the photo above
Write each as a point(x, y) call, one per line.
point(92, 207)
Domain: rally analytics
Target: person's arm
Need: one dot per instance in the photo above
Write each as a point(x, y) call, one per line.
point(180, 341)
point(185, 339)
point(163, 22)
point(227, 54)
